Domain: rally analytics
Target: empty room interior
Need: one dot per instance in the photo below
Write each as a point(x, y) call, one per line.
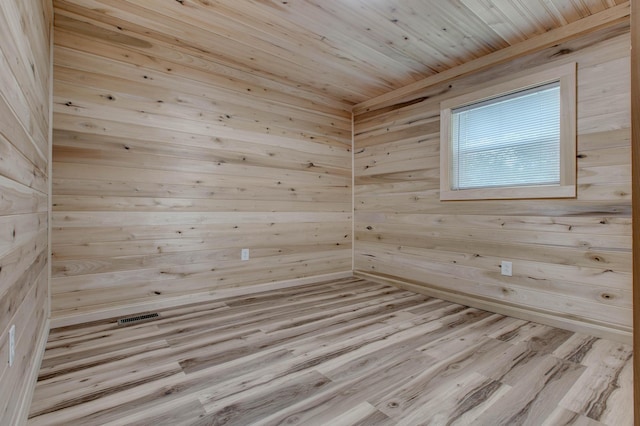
point(319, 212)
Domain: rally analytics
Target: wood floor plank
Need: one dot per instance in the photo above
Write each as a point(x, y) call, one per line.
point(108, 382)
point(99, 411)
point(343, 352)
point(535, 396)
point(438, 381)
point(265, 400)
point(101, 358)
point(456, 402)
point(362, 414)
point(174, 413)
point(562, 416)
point(340, 397)
point(601, 382)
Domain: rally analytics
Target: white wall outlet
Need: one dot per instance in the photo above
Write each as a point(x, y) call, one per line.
point(12, 344)
point(244, 254)
point(506, 268)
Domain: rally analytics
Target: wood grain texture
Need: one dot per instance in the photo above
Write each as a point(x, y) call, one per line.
point(340, 352)
point(331, 52)
point(166, 164)
point(563, 251)
point(635, 159)
point(25, 72)
point(524, 46)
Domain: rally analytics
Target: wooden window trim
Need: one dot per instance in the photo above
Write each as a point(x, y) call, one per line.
point(566, 75)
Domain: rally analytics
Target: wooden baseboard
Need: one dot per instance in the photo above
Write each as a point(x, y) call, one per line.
point(543, 317)
point(104, 312)
point(27, 395)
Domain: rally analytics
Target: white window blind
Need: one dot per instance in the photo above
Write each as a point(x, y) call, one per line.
point(511, 140)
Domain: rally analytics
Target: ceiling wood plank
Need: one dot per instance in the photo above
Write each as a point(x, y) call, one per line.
point(592, 23)
point(326, 51)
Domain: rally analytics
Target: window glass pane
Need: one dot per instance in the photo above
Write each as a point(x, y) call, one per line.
point(513, 140)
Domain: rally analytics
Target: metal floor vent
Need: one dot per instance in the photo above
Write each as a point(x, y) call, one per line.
point(137, 319)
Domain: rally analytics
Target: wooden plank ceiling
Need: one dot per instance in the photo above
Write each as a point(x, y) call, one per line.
point(349, 50)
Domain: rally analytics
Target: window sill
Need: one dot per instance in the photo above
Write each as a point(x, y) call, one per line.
point(511, 193)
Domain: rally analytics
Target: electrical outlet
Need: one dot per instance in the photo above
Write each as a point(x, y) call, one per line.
point(12, 344)
point(244, 254)
point(506, 268)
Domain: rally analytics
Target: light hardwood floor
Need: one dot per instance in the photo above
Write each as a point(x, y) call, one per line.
point(335, 353)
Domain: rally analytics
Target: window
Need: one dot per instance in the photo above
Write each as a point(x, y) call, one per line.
point(512, 140)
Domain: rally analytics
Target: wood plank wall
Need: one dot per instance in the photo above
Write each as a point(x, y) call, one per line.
point(571, 258)
point(25, 69)
point(166, 165)
point(635, 167)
